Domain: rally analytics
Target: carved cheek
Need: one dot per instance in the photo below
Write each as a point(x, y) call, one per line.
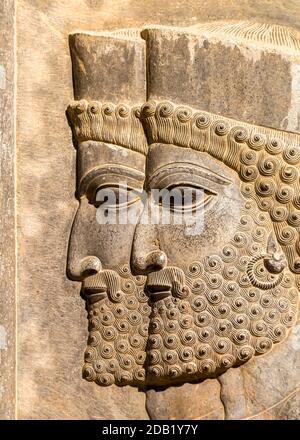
point(82, 255)
point(90, 241)
point(216, 227)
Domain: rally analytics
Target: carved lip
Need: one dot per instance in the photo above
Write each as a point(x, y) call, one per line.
point(94, 294)
point(158, 291)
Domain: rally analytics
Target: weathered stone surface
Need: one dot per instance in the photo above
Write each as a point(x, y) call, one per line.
point(267, 388)
point(52, 328)
point(186, 402)
point(7, 213)
point(125, 81)
point(251, 79)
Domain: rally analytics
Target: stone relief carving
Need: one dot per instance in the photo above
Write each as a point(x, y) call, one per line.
point(165, 307)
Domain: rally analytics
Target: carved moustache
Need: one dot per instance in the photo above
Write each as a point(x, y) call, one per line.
point(166, 282)
point(103, 284)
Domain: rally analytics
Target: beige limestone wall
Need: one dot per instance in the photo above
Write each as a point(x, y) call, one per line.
point(52, 324)
point(7, 213)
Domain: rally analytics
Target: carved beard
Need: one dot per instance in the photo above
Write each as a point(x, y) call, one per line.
point(118, 330)
point(235, 309)
point(228, 308)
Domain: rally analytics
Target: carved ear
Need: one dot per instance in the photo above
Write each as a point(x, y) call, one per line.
point(272, 246)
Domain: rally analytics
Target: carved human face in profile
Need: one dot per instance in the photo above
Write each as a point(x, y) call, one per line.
point(99, 255)
point(94, 245)
point(227, 293)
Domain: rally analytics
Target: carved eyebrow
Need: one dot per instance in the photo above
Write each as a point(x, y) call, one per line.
point(172, 170)
point(117, 172)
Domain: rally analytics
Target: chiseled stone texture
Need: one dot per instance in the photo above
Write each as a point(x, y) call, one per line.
point(52, 323)
point(52, 320)
point(7, 213)
point(199, 401)
point(253, 81)
point(267, 388)
point(120, 73)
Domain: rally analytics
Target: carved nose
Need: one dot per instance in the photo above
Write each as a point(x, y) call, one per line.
point(153, 261)
point(89, 265)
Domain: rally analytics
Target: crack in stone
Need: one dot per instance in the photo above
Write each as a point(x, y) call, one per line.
point(283, 400)
point(146, 406)
point(221, 399)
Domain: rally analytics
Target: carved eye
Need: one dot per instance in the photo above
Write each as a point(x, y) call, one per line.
point(185, 198)
point(115, 197)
